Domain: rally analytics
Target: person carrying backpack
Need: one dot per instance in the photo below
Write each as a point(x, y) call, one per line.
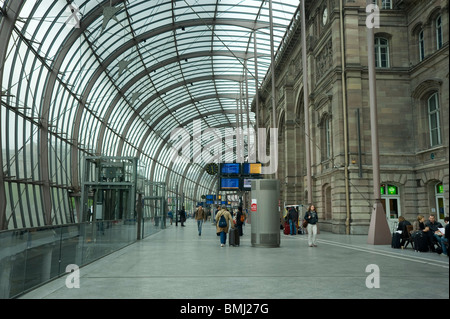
point(223, 222)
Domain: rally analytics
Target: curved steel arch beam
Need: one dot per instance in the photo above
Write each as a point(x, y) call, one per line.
point(6, 29)
point(77, 32)
point(130, 44)
point(197, 183)
point(183, 124)
point(171, 26)
point(171, 162)
point(52, 79)
point(214, 181)
point(162, 115)
point(145, 73)
point(148, 101)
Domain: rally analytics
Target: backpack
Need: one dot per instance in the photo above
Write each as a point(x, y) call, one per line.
point(222, 222)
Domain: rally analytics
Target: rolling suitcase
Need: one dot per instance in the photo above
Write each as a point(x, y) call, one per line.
point(234, 237)
point(420, 242)
point(396, 240)
point(287, 229)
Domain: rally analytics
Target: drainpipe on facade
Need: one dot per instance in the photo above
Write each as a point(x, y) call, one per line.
point(344, 106)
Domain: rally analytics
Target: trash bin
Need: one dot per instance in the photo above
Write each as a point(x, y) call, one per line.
point(265, 226)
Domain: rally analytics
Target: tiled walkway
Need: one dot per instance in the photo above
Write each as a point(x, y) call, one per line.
point(177, 263)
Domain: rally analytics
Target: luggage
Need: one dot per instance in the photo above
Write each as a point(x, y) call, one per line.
point(234, 239)
point(287, 229)
point(396, 237)
point(420, 242)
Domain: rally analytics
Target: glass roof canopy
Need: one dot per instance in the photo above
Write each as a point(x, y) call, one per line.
point(115, 78)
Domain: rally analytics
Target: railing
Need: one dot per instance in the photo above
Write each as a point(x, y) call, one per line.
point(30, 257)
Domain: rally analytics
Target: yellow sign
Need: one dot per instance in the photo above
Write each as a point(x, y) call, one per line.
point(255, 168)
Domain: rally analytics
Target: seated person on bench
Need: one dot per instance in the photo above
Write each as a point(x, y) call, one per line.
point(438, 236)
point(402, 222)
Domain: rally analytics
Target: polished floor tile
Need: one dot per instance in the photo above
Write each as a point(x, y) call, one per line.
point(177, 263)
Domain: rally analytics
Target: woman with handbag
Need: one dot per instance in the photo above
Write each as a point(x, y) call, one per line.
point(312, 218)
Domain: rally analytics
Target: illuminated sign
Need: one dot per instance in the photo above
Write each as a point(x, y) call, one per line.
point(229, 183)
point(230, 168)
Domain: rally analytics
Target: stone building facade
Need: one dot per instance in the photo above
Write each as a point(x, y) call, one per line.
point(412, 80)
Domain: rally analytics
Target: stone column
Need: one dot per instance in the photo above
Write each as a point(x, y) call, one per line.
point(290, 147)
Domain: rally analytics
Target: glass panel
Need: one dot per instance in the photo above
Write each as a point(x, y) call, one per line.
point(393, 208)
point(421, 46)
point(439, 32)
point(31, 257)
point(441, 209)
point(392, 190)
point(432, 103)
point(186, 60)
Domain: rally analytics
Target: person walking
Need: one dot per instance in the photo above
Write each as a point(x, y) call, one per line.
point(293, 220)
point(170, 215)
point(312, 218)
point(182, 216)
point(240, 219)
point(200, 216)
point(223, 222)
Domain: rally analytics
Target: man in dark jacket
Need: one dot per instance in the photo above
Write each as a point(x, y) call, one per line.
point(293, 220)
point(434, 228)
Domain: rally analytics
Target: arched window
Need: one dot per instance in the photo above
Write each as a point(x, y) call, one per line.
point(434, 120)
point(381, 52)
point(421, 46)
point(439, 36)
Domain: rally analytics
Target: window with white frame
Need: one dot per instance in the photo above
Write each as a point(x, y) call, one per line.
point(381, 52)
point(390, 199)
point(386, 4)
point(434, 120)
